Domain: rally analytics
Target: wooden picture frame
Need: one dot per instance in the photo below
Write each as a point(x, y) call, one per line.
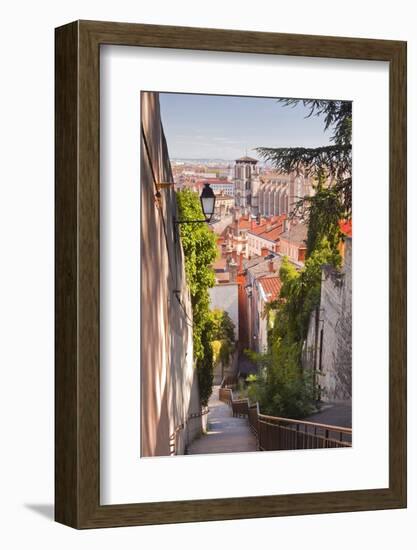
point(77, 405)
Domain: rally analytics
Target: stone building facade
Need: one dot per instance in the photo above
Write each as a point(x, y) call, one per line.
point(279, 193)
point(328, 348)
point(170, 412)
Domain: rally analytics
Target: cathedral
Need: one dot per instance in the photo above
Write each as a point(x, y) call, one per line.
point(267, 193)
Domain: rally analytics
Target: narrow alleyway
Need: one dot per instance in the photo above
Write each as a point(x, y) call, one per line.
point(225, 434)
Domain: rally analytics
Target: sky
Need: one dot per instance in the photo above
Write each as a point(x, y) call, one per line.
point(227, 127)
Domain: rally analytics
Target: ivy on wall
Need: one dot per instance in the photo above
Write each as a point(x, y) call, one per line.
point(200, 251)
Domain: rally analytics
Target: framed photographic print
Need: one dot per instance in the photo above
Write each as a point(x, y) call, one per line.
point(230, 274)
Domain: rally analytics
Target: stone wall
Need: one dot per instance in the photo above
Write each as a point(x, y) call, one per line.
point(169, 388)
point(328, 348)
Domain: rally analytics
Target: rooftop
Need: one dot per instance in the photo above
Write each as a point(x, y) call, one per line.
point(247, 159)
point(296, 234)
point(224, 197)
point(222, 277)
point(260, 266)
point(271, 287)
point(220, 265)
point(212, 181)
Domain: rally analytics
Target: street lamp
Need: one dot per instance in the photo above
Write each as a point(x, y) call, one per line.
point(208, 201)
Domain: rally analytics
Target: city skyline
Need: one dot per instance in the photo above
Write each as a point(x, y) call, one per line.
point(199, 126)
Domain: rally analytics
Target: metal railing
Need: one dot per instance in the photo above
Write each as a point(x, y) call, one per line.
point(276, 434)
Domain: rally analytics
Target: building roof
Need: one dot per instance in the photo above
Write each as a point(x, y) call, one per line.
point(243, 223)
point(224, 197)
point(222, 277)
point(275, 229)
point(260, 266)
point(247, 159)
point(271, 286)
point(273, 234)
point(258, 229)
point(220, 265)
point(217, 181)
point(296, 234)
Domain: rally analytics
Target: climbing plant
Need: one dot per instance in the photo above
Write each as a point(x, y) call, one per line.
point(200, 251)
point(282, 387)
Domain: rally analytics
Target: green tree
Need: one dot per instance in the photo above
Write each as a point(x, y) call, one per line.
point(223, 335)
point(223, 328)
point(333, 160)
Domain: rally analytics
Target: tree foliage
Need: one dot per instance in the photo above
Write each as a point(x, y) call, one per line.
point(335, 160)
point(223, 326)
point(325, 210)
point(223, 334)
point(200, 251)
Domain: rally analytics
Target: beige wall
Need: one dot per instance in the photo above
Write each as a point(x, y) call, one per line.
point(169, 387)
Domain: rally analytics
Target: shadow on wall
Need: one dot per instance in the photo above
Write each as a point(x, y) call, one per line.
point(169, 389)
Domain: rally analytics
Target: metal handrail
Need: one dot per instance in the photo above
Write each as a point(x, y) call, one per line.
point(329, 427)
point(279, 433)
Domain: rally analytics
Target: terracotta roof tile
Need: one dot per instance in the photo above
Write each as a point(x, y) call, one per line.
point(271, 287)
point(274, 233)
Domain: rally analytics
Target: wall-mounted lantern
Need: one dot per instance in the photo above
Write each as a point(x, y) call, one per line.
point(208, 201)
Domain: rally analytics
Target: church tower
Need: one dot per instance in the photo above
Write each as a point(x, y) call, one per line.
point(246, 179)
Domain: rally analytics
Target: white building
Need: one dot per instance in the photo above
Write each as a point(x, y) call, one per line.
point(222, 187)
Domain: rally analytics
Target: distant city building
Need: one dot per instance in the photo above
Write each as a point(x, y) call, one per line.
point(224, 205)
point(236, 235)
point(293, 242)
point(265, 234)
point(220, 186)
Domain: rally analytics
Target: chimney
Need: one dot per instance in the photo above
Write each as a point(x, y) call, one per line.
point(241, 261)
point(278, 245)
point(271, 266)
point(232, 271)
point(286, 225)
point(302, 254)
point(264, 251)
